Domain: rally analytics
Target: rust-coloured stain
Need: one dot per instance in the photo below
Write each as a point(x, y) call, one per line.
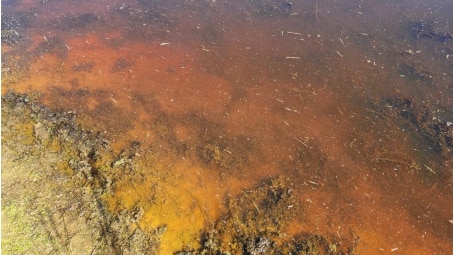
point(356, 114)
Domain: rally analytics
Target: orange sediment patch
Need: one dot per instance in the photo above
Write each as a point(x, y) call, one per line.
point(182, 199)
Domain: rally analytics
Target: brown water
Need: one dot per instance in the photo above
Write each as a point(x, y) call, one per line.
point(315, 91)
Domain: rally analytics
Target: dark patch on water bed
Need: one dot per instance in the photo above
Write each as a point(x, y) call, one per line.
point(83, 67)
point(308, 160)
point(229, 154)
point(145, 22)
point(405, 134)
point(414, 75)
point(271, 7)
point(13, 35)
point(51, 45)
point(104, 114)
point(423, 29)
point(121, 65)
point(16, 62)
point(76, 23)
point(216, 149)
point(424, 164)
point(14, 25)
point(437, 132)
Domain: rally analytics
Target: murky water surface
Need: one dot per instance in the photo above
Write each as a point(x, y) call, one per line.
point(350, 100)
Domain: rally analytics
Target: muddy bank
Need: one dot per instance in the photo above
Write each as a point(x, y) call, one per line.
point(58, 179)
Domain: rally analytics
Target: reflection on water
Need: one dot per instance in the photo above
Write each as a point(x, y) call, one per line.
point(350, 100)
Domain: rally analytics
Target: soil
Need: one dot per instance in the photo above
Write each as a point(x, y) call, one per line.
point(53, 187)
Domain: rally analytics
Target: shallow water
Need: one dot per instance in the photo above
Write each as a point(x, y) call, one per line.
point(351, 100)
